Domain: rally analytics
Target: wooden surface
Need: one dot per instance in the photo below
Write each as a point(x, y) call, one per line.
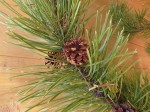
point(13, 56)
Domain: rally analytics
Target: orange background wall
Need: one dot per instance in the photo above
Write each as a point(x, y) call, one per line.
point(13, 56)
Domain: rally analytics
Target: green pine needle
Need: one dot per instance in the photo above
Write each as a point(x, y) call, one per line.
point(53, 25)
point(136, 90)
point(61, 90)
point(47, 25)
point(107, 65)
point(132, 21)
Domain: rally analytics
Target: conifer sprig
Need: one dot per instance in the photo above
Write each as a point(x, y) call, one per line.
point(136, 90)
point(132, 21)
point(51, 22)
point(96, 85)
point(107, 64)
point(60, 90)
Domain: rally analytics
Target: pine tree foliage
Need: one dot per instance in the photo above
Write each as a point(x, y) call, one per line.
point(95, 86)
point(133, 21)
point(148, 48)
point(137, 91)
point(51, 22)
point(104, 62)
point(60, 90)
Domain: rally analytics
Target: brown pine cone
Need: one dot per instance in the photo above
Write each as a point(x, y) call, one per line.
point(53, 59)
point(123, 108)
point(76, 51)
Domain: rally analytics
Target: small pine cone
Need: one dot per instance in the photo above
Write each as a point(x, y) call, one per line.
point(76, 51)
point(123, 108)
point(53, 59)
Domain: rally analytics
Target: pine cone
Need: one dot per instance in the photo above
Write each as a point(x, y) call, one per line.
point(123, 108)
point(76, 51)
point(53, 59)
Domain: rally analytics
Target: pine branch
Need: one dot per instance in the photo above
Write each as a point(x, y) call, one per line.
point(53, 22)
point(132, 21)
point(97, 85)
point(136, 90)
point(63, 89)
